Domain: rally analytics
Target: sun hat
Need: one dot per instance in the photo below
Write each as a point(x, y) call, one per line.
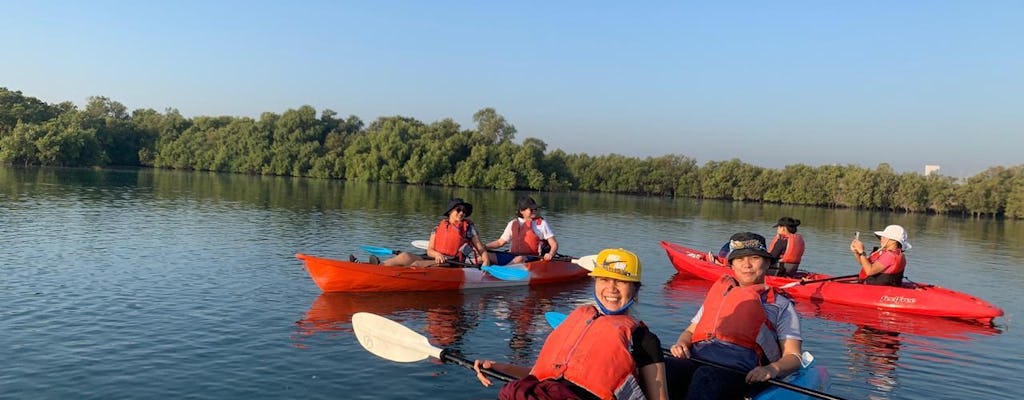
point(618, 264)
point(787, 221)
point(748, 243)
point(458, 201)
point(897, 233)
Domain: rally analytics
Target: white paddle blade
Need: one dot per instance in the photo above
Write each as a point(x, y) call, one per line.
point(390, 340)
point(421, 244)
point(587, 262)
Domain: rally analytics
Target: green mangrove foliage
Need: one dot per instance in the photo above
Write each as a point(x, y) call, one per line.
point(399, 149)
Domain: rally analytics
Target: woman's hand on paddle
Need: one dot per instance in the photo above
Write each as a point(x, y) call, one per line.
point(761, 374)
point(485, 364)
point(680, 350)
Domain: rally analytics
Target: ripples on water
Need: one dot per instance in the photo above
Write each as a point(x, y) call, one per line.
point(155, 284)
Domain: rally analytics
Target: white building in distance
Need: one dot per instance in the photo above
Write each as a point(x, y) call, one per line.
point(931, 169)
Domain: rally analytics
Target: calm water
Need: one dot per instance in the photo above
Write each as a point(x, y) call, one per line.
point(157, 284)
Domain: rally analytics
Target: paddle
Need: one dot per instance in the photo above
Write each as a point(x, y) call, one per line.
point(556, 318)
point(586, 262)
point(379, 251)
point(396, 342)
point(834, 278)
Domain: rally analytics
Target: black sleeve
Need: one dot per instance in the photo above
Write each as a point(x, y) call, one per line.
point(646, 347)
point(780, 247)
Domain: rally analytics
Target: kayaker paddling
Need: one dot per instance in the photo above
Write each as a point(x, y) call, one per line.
point(599, 352)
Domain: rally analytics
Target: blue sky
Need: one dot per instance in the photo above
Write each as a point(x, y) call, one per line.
point(772, 83)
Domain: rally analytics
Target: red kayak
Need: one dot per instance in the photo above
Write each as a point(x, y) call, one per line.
point(913, 298)
point(344, 276)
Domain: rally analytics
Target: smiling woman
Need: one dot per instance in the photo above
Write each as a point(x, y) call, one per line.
point(452, 234)
point(602, 342)
point(742, 323)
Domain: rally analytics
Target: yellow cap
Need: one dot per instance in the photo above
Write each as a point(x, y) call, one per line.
point(618, 264)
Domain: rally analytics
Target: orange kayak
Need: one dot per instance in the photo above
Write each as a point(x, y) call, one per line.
point(332, 275)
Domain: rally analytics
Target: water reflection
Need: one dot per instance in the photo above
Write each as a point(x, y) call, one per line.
point(446, 317)
point(874, 354)
point(881, 320)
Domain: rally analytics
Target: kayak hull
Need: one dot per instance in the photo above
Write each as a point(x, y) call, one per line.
point(332, 275)
point(913, 298)
point(813, 377)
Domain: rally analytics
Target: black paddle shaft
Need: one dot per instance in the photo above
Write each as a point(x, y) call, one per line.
point(795, 388)
point(449, 357)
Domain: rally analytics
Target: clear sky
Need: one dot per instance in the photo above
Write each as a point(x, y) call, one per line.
point(772, 83)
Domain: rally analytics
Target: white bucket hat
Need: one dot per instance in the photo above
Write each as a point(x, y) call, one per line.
point(897, 233)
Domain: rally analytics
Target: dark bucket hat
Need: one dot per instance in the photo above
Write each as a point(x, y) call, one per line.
point(458, 201)
point(748, 243)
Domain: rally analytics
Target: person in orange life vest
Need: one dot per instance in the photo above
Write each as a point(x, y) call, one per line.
point(600, 351)
point(447, 240)
point(744, 324)
point(886, 265)
point(787, 247)
point(529, 234)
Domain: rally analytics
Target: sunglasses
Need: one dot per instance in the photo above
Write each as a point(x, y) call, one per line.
point(460, 209)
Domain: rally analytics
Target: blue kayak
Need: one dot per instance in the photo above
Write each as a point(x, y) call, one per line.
point(811, 377)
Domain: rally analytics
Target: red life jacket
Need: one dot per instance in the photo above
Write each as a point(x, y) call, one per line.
point(448, 238)
point(524, 240)
point(592, 351)
point(794, 248)
point(744, 311)
point(892, 275)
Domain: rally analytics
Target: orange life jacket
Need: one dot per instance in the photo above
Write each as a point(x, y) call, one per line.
point(524, 240)
point(891, 275)
point(592, 351)
point(744, 311)
point(448, 238)
point(794, 248)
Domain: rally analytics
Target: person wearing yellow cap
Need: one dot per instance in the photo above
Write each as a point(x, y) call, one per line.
point(600, 351)
point(884, 266)
point(743, 324)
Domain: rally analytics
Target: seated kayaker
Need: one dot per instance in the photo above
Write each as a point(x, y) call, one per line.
point(530, 235)
point(446, 241)
point(787, 247)
point(743, 324)
point(884, 266)
point(600, 351)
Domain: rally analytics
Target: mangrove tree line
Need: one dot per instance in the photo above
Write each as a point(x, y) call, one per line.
point(396, 149)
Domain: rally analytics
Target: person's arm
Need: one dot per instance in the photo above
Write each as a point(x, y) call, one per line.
point(646, 352)
point(474, 240)
point(513, 370)
point(654, 381)
point(789, 362)
point(682, 347)
point(780, 247)
point(485, 258)
point(436, 255)
point(497, 243)
point(506, 236)
point(554, 249)
point(869, 268)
